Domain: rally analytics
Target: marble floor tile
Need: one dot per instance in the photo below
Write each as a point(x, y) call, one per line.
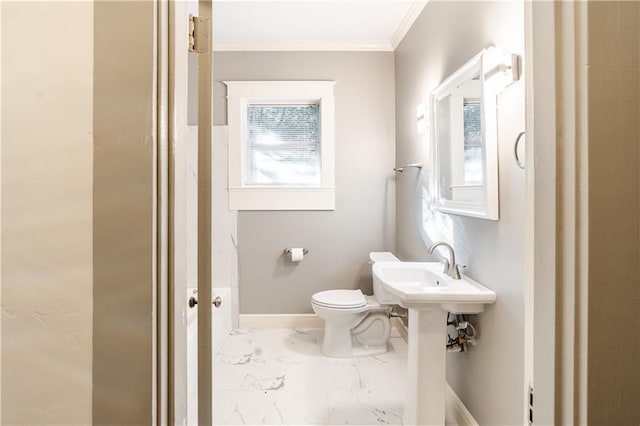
point(364, 407)
point(224, 405)
point(274, 407)
point(280, 376)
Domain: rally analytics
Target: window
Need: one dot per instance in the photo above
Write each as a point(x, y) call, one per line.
point(281, 148)
point(283, 145)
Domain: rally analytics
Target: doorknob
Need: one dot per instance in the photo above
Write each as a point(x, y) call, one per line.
point(192, 301)
point(217, 302)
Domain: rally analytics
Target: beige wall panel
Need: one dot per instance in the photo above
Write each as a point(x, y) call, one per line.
point(47, 147)
point(614, 213)
point(123, 211)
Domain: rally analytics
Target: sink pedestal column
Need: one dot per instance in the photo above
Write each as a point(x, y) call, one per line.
point(426, 368)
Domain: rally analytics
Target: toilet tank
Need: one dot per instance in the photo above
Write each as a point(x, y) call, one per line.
point(381, 256)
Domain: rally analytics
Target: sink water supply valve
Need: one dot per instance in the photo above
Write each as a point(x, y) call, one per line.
point(465, 333)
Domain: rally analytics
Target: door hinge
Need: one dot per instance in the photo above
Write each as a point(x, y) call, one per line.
point(199, 35)
point(530, 398)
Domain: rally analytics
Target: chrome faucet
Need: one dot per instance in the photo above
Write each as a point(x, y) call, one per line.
point(451, 268)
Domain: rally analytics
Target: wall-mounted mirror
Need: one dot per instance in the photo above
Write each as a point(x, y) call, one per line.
point(464, 139)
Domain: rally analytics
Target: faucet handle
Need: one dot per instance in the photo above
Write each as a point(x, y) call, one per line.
point(460, 268)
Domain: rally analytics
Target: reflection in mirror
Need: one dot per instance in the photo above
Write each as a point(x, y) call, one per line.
point(463, 145)
point(460, 142)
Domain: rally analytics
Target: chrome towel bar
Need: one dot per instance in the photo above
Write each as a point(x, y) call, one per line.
point(519, 162)
point(401, 168)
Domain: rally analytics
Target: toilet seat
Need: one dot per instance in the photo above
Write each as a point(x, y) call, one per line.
point(340, 299)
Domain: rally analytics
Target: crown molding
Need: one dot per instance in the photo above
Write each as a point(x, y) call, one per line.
point(320, 46)
point(300, 46)
point(408, 21)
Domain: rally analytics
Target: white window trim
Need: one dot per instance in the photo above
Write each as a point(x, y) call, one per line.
point(279, 197)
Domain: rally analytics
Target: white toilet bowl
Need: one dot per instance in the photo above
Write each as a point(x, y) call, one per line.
point(355, 324)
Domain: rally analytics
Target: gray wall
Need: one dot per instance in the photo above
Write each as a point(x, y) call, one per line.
point(490, 378)
point(364, 220)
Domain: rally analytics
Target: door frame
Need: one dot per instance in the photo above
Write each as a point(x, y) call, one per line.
point(163, 397)
point(205, 123)
point(557, 115)
point(170, 386)
point(540, 288)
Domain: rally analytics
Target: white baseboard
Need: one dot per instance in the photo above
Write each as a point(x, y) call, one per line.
point(456, 412)
point(259, 321)
point(262, 321)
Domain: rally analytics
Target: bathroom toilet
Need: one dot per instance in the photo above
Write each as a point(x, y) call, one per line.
point(355, 324)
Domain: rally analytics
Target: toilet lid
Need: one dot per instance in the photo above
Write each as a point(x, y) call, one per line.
point(341, 299)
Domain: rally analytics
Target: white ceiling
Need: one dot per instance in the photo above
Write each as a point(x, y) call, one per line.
point(312, 24)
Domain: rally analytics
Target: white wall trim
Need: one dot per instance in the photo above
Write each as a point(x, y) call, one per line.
point(261, 321)
point(240, 94)
point(408, 21)
point(545, 32)
point(302, 46)
point(455, 411)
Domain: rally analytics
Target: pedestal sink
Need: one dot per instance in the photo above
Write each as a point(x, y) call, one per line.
point(429, 294)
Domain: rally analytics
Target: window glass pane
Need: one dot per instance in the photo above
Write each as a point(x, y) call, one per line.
point(283, 145)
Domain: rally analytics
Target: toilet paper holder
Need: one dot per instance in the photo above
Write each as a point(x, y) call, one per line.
point(287, 251)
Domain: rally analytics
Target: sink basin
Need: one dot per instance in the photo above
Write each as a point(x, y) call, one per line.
point(423, 285)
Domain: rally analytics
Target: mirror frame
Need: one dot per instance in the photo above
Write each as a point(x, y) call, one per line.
point(483, 64)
